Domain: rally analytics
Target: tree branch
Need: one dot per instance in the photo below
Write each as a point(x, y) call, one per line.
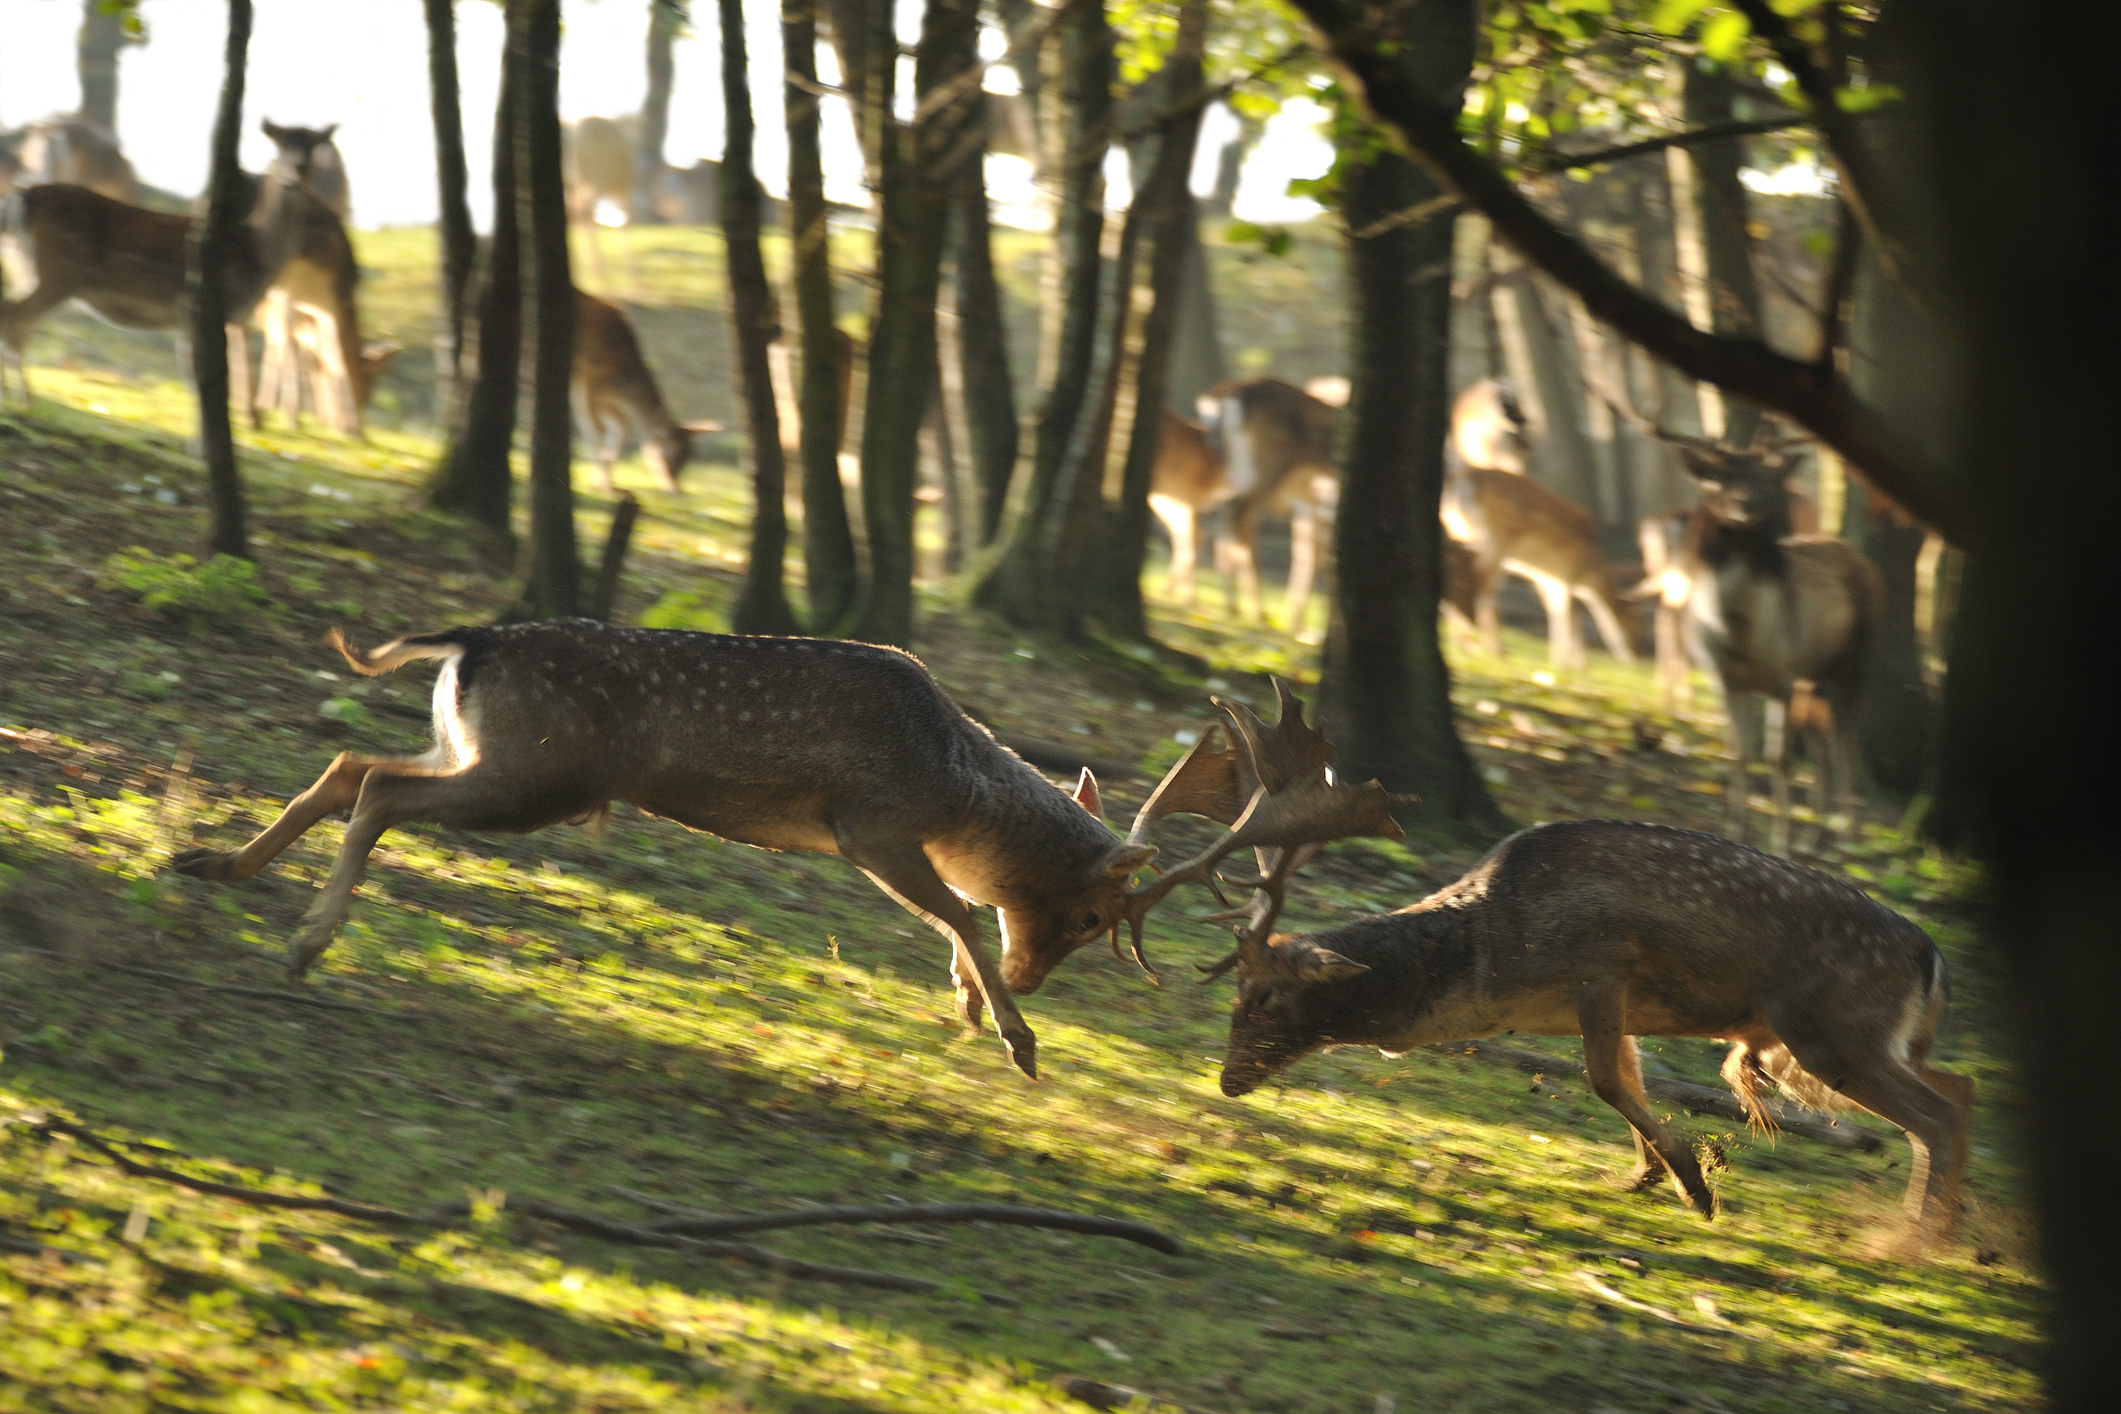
point(1840, 277)
point(1818, 401)
point(1744, 128)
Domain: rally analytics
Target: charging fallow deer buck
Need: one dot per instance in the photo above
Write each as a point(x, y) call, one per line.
point(784, 743)
point(1610, 930)
point(127, 264)
point(614, 393)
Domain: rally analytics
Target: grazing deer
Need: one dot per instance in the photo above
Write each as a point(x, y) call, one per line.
point(1611, 930)
point(1488, 427)
point(1189, 481)
point(76, 152)
point(1275, 443)
point(1782, 617)
point(128, 264)
point(1514, 525)
point(599, 161)
point(614, 393)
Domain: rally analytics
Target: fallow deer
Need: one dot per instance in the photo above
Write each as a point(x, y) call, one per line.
point(1610, 930)
point(1488, 427)
point(128, 264)
point(615, 393)
point(1189, 482)
point(76, 152)
point(1275, 442)
point(1783, 617)
point(1514, 525)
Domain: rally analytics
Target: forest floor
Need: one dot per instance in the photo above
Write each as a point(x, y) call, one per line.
point(594, 1019)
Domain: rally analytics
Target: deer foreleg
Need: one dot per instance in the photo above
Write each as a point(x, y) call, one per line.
point(1564, 648)
point(1608, 624)
point(1178, 521)
point(1303, 563)
point(901, 869)
point(336, 790)
point(239, 366)
point(1602, 1012)
point(1244, 537)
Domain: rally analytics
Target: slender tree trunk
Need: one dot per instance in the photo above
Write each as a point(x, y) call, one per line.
point(553, 584)
point(1024, 583)
point(213, 241)
point(459, 244)
point(474, 477)
point(97, 45)
point(664, 17)
point(862, 29)
point(1165, 201)
point(1386, 694)
point(830, 569)
point(1734, 293)
point(983, 349)
point(1017, 16)
point(920, 164)
point(762, 604)
point(1197, 348)
point(1230, 164)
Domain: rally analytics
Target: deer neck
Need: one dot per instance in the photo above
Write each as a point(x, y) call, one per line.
point(1424, 983)
point(275, 229)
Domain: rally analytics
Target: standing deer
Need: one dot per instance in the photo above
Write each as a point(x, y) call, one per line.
point(1610, 930)
point(1275, 443)
point(1514, 525)
point(128, 264)
point(615, 393)
point(1189, 481)
point(1488, 427)
point(1783, 617)
point(783, 743)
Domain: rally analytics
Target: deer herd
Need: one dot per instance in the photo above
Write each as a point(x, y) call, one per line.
point(1601, 929)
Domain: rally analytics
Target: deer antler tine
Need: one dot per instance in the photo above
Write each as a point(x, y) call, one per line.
point(1140, 956)
point(1210, 972)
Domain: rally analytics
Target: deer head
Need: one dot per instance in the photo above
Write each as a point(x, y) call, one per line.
point(1275, 789)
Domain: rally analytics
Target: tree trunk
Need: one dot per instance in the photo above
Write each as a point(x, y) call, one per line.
point(920, 164)
point(983, 348)
point(1197, 348)
point(664, 17)
point(1230, 163)
point(97, 45)
point(474, 477)
point(1165, 203)
point(213, 239)
point(862, 29)
point(1734, 294)
point(553, 584)
point(1386, 694)
point(1023, 585)
point(762, 604)
point(1017, 17)
point(459, 244)
point(830, 569)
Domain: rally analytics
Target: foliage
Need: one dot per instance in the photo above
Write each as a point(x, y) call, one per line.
point(221, 588)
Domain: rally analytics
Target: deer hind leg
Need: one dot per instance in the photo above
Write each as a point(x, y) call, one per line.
point(238, 366)
point(1608, 624)
point(1602, 1014)
point(1177, 518)
point(1242, 549)
point(336, 790)
point(1303, 563)
point(901, 869)
point(1650, 1168)
point(1564, 648)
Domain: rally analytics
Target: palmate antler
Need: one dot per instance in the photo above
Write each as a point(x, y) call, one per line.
point(1275, 790)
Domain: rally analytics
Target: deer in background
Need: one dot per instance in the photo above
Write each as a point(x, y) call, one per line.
point(1610, 930)
point(1513, 525)
point(1275, 443)
point(1782, 617)
point(1189, 481)
point(76, 152)
point(615, 393)
point(1488, 427)
point(783, 743)
point(598, 155)
point(128, 264)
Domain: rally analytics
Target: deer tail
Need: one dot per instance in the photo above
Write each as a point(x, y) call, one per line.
point(449, 644)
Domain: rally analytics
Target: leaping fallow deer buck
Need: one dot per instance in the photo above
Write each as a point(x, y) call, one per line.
point(1514, 525)
point(128, 264)
point(615, 392)
point(1610, 930)
point(1783, 617)
point(1275, 443)
point(784, 743)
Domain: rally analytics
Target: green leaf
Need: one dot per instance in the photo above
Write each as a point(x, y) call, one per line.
point(1723, 38)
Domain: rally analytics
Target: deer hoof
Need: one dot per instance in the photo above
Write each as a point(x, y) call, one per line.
point(1023, 1050)
point(203, 863)
point(303, 952)
point(1640, 1179)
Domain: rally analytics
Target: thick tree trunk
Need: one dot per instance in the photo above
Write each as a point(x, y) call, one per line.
point(1164, 202)
point(762, 604)
point(1024, 585)
point(96, 48)
point(459, 244)
point(983, 350)
point(920, 164)
point(474, 477)
point(1197, 348)
point(664, 17)
point(1386, 694)
point(830, 569)
point(212, 239)
point(1734, 294)
point(553, 582)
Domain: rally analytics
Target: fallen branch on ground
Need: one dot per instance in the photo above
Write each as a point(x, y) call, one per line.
point(1702, 1099)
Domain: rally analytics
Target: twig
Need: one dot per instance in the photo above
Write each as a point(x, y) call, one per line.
point(1702, 1099)
point(1565, 162)
point(1630, 1303)
point(707, 1224)
point(606, 593)
point(233, 989)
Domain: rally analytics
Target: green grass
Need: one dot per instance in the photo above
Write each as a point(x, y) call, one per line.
point(568, 1014)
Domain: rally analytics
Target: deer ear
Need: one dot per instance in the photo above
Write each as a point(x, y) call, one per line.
point(1128, 860)
point(1325, 965)
point(1086, 794)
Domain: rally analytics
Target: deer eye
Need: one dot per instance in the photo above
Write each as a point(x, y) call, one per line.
point(1089, 921)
